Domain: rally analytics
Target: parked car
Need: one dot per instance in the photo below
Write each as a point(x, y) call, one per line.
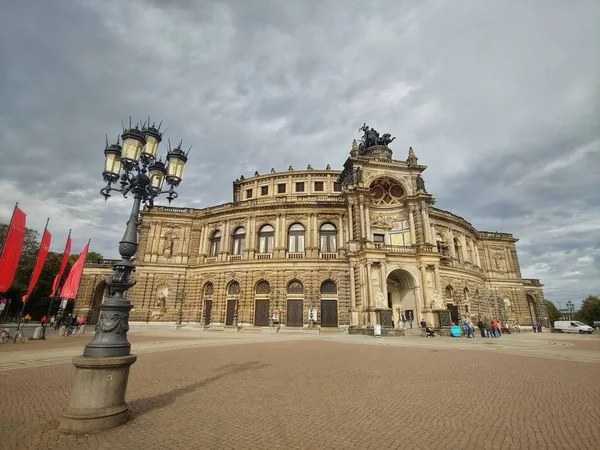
point(572, 326)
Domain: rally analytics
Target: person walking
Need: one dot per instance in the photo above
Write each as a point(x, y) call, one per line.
point(403, 319)
point(481, 326)
point(410, 318)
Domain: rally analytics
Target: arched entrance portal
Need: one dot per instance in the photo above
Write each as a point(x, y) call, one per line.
point(402, 295)
point(99, 294)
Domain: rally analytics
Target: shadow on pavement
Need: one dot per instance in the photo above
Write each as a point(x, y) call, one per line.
point(144, 405)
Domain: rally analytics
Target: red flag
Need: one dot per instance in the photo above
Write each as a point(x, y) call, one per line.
point(63, 265)
point(69, 289)
point(13, 247)
point(43, 253)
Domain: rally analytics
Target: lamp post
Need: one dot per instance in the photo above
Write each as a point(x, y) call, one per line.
point(98, 397)
point(571, 309)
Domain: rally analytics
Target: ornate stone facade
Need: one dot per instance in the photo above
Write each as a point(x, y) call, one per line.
point(326, 246)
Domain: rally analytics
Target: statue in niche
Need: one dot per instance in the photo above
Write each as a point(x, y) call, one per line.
point(436, 301)
point(380, 300)
point(169, 242)
point(421, 184)
point(161, 297)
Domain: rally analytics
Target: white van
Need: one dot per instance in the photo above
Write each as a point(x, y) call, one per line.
point(572, 326)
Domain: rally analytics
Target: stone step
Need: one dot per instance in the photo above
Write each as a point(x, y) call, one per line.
point(331, 330)
point(412, 332)
point(299, 331)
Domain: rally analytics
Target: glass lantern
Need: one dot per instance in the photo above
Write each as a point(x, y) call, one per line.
point(133, 141)
point(112, 165)
point(152, 137)
point(176, 164)
point(157, 174)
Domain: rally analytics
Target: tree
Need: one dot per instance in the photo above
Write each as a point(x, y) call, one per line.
point(553, 312)
point(590, 310)
point(90, 256)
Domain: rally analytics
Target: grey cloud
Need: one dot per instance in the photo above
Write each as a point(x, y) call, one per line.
point(489, 95)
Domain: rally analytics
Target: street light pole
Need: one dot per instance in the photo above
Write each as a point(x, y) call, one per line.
point(98, 397)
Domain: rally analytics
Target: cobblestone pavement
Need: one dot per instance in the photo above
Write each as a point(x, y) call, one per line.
point(326, 392)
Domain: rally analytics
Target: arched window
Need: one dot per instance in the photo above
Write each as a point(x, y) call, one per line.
point(458, 250)
point(296, 238)
point(266, 239)
point(466, 294)
point(233, 288)
point(208, 290)
point(263, 287)
point(328, 238)
point(328, 287)
point(215, 242)
point(470, 252)
point(440, 243)
point(239, 241)
point(295, 287)
point(449, 292)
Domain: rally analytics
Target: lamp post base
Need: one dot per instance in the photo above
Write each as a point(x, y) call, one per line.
point(98, 396)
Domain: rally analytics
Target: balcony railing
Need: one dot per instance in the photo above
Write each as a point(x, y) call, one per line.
point(263, 256)
point(295, 255)
point(328, 255)
point(235, 257)
point(393, 248)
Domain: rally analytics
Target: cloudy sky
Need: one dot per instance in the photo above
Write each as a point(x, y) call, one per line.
point(501, 99)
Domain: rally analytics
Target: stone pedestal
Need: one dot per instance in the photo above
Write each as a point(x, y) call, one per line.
point(98, 396)
point(385, 318)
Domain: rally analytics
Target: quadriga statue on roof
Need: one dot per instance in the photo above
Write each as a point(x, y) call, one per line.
point(371, 138)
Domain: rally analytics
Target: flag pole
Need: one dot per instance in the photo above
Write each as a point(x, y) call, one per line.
point(31, 277)
point(52, 298)
point(8, 229)
point(88, 246)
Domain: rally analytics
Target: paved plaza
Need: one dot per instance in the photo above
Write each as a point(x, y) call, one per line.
point(213, 390)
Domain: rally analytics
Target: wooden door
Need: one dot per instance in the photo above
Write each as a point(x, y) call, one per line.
point(294, 313)
point(329, 313)
point(261, 313)
point(207, 312)
point(231, 304)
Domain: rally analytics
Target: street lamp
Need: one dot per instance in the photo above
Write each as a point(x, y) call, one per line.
point(98, 398)
point(571, 309)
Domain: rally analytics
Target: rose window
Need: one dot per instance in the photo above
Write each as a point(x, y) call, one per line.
point(386, 192)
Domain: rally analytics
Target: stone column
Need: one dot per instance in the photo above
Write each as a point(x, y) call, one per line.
point(368, 220)
point(423, 271)
point(411, 219)
point(352, 288)
point(438, 281)
point(425, 226)
point(363, 227)
point(350, 222)
point(477, 255)
point(369, 285)
point(451, 244)
point(343, 231)
point(383, 281)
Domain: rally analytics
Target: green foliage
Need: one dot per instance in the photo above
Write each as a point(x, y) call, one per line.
point(590, 310)
point(553, 312)
point(90, 255)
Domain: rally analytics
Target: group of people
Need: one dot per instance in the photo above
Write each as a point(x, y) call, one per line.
point(488, 328)
point(72, 322)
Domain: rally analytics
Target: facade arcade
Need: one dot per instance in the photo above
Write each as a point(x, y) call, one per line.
point(321, 247)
